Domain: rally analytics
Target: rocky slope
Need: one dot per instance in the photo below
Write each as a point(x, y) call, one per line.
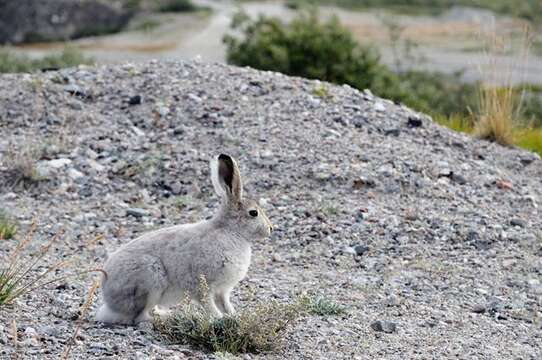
point(375, 206)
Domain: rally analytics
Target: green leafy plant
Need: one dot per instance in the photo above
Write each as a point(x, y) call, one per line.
point(321, 91)
point(305, 47)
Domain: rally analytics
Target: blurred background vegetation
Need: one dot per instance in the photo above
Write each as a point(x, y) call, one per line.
point(464, 62)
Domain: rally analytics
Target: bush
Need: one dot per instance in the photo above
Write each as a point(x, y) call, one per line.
point(306, 47)
point(251, 331)
point(432, 93)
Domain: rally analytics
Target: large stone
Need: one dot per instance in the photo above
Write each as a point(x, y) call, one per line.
point(24, 21)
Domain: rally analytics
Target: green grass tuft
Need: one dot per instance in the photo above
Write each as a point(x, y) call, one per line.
point(321, 91)
point(8, 228)
point(455, 122)
point(321, 306)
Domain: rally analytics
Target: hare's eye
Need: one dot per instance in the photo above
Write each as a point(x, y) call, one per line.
point(253, 213)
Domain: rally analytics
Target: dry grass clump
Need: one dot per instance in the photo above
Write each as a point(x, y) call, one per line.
point(256, 330)
point(17, 270)
point(21, 166)
point(498, 113)
point(252, 331)
point(499, 101)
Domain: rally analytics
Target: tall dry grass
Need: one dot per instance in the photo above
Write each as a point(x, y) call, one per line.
point(497, 115)
point(499, 99)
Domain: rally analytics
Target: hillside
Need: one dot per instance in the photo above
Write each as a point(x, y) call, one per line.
point(374, 206)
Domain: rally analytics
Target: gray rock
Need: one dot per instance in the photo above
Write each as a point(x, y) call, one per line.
point(348, 250)
point(49, 20)
point(76, 175)
point(361, 249)
point(137, 212)
point(134, 100)
point(518, 222)
point(460, 179)
point(385, 326)
point(51, 331)
point(379, 106)
point(414, 122)
point(479, 308)
point(392, 132)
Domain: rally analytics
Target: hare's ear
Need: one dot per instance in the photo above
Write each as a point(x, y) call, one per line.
point(226, 178)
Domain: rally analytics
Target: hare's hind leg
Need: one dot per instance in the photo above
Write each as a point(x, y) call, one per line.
point(212, 308)
point(223, 302)
point(132, 290)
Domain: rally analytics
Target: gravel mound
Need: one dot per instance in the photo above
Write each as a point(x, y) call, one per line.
point(430, 239)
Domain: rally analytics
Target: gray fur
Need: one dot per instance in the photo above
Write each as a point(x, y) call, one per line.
point(164, 266)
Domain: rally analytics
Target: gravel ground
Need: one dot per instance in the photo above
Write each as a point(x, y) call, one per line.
point(433, 235)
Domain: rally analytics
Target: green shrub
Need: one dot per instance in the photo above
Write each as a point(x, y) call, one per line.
point(432, 93)
point(306, 47)
point(14, 63)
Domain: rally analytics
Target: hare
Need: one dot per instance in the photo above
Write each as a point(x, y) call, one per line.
point(164, 266)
